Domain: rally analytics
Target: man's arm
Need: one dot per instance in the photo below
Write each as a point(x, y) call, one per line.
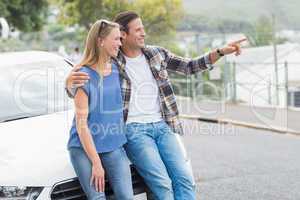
point(187, 66)
point(191, 66)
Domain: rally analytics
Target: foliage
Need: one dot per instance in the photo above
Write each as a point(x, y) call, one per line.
point(262, 33)
point(205, 24)
point(25, 15)
point(159, 16)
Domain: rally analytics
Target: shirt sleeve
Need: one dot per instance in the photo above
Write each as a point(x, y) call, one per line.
point(186, 65)
point(73, 90)
point(85, 88)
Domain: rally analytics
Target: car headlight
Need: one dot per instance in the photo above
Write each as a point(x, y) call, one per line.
point(22, 193)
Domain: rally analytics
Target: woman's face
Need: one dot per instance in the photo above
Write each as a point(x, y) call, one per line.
point(112, 42)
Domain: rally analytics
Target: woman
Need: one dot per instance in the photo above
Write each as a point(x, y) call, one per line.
point(97, 136)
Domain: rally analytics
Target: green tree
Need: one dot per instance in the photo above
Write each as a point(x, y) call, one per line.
point(261, 33)
point(160, 17)
point(85, 12)
point(25, 15)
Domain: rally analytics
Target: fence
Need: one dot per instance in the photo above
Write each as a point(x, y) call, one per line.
point(258, 84)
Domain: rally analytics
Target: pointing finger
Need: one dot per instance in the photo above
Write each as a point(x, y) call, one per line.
point(240, 41)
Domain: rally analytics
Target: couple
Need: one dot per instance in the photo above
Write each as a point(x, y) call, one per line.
point(125, 106)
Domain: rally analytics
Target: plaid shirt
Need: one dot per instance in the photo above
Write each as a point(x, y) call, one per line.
point(160, 62)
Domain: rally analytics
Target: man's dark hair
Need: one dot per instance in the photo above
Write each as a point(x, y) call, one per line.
point(124, 18)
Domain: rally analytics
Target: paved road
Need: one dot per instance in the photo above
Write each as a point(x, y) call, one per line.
point(272, 117)
point(234, 163)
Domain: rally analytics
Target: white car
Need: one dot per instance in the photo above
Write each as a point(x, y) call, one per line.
point(34, 124)
point(35, 119)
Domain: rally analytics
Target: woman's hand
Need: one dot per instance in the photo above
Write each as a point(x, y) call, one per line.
point(98, 177)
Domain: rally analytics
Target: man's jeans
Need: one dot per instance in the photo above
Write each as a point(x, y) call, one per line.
point(116, 167)
point(159, 158)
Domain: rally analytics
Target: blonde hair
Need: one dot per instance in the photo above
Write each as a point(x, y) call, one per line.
point(91, 54)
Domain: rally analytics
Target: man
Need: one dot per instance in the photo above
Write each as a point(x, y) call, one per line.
point(150, 110)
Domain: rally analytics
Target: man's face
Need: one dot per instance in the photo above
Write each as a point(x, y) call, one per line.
point(135, 38)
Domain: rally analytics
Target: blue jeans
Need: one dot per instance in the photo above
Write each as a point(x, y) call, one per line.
point(116, 167)
point(158, 155)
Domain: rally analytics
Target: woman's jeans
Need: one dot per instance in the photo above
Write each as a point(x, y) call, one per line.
point(116, 167)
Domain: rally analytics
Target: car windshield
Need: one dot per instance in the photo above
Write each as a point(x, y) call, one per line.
point(32, 89)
